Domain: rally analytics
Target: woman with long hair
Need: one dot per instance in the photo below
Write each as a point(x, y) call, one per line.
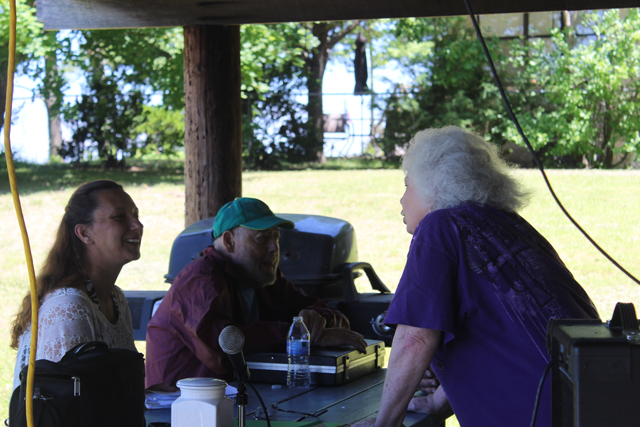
point(79, 302)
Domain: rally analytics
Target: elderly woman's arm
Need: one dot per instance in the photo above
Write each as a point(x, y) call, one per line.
point(411, 353)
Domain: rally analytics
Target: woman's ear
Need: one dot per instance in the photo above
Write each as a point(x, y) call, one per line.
point(82, 231)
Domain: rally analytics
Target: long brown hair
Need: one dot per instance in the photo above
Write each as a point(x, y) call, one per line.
point(65, 263)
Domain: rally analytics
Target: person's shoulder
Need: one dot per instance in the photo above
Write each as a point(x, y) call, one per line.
point(200, 281)
point(209, 264)
point(439, 229)
point(66, 300)
point(119, 293)
point(433, 222)
point(63, 295)
point(464, 213)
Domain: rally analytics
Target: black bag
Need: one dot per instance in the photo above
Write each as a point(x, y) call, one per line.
point(92, 385)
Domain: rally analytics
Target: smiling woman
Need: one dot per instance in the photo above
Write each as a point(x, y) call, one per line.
point(79, 301)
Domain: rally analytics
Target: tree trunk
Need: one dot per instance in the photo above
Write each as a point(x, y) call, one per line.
point(316, 65)
point(55, 136)
point(213, 134)
point(53, 106)
point(55, 127)
point(607, 136)
point(565, 23)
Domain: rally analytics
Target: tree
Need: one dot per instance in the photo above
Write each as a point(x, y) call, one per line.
point(277, 61)
point(104, 120)
point(585, 97)
point(452, 86)
point(28, 43)
point(288, 57)
point(152, 58)
point(111, 117)
point(50, 67)
point(271, 65)
point(316, 56)
point(161, 133)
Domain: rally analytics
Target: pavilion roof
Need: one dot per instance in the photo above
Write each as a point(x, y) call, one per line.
point(94, 14)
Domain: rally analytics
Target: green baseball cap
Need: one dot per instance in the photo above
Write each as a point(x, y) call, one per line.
point(247, 212)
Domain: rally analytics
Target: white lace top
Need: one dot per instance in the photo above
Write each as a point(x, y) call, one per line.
point(68, 317)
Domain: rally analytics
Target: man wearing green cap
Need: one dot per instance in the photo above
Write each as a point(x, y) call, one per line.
point(236, 282)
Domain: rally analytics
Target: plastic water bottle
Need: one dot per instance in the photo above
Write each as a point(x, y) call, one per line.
point(298, 348)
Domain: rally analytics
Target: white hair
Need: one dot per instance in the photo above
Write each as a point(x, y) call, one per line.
point(450, 166)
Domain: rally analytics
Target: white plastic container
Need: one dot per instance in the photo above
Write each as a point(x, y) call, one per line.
point(202, 403)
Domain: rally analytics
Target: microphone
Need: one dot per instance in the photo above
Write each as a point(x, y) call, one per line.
point(231, 341)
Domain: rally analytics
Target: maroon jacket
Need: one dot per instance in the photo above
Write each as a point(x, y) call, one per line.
point(182, 336)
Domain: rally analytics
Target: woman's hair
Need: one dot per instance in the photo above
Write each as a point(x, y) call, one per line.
point(66, 260)
point(451, 166)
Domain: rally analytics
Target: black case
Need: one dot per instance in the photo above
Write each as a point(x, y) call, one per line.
point(595, 376)
point(329, 366)
point(92, 385)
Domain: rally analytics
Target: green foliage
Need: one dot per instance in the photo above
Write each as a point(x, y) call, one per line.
point(28, 32)
point(152, 57)
point(269, 52)
point(112, 117)
point(284, 134)
point(273, 70)
point(452, 83)
point(28, 43)
point(575, 101)
point(104, 121)
point(583, 98)
point(161, 132)
point(293, 55)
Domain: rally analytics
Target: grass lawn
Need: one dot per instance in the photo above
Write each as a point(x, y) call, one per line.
point(606, 204)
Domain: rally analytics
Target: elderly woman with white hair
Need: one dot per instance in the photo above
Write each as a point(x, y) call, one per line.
point(477, 292)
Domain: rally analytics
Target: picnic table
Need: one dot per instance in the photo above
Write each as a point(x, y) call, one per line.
point(342, 404)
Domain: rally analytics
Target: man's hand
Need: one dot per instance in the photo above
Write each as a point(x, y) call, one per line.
point(336, 337)
point(314, 322)
point(429, 382)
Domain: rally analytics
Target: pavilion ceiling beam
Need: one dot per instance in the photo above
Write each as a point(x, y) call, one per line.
point(94, 14)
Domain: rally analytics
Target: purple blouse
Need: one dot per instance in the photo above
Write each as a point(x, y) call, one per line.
point(491, 283)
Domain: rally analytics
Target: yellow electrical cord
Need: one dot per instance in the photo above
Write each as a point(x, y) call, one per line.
point(16, 203)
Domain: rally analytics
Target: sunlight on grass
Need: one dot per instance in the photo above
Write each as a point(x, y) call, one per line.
point(606, 204)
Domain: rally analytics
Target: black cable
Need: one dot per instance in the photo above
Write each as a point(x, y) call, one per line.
point(266, 413)
point(539, 393)
point(526, 141)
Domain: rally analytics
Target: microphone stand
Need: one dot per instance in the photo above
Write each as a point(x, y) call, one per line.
point(241, 400)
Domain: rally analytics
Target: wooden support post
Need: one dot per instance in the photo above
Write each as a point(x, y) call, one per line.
point(213, 134)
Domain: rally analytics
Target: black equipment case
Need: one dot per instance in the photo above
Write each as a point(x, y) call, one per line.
point(92, 385)
point(328, 366)
point(319, 256)
point(595, 375)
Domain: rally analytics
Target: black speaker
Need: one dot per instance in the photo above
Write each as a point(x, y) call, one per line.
point(595, 376)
